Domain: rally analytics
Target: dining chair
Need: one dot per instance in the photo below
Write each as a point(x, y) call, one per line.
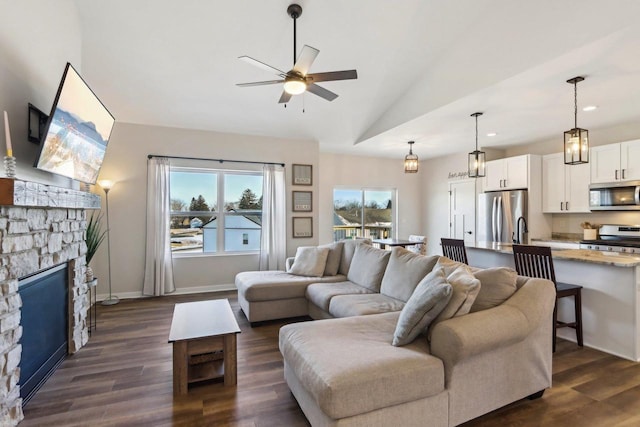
point(454, 249)
point(421, 244)
point(536, 261)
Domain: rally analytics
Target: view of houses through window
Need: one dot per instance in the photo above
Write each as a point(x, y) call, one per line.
point(363, 213)
point(204, 202)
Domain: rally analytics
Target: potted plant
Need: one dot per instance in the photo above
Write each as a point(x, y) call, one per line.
point(95, 236)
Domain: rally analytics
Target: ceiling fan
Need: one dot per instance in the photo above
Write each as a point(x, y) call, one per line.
point(298, 80)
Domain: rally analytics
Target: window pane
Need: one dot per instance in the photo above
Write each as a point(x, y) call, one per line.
point(187, 233)
point(192, 192)
point(347, 215)
point(242, 192)
point(378, 214)
point(242, 232)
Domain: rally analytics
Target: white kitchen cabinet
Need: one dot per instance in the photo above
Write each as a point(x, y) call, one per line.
point(615, 162)
point(565, 188)
point(507, 174)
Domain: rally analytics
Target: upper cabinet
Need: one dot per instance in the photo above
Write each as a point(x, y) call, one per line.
point(614, 162)
point(507, 174)
point(565, 188)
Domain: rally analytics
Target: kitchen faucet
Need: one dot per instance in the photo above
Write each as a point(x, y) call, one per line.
point(516, 236)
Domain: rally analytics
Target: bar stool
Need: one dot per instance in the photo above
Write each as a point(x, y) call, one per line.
point(454, 249)
point(536, 261)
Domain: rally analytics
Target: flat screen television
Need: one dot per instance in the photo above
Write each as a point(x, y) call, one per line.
point(77, 131)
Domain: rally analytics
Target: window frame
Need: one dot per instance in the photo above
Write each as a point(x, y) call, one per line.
point(394, 206)
point(220, 213)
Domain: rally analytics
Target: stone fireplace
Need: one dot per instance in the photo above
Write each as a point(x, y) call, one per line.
point(41, 226)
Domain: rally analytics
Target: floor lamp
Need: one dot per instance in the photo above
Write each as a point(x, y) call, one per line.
point(106, 186)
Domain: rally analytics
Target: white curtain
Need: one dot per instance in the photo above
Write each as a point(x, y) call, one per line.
point(273, 241)
point(158, 272)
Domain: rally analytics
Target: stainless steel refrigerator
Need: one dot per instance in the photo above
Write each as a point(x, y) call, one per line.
point(499, 214)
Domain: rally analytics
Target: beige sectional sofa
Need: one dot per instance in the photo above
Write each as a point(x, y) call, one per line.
point(345, 372)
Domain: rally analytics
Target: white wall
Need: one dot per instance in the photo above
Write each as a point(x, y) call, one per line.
point(126, 163)
point(357, 171)
point(37, 39)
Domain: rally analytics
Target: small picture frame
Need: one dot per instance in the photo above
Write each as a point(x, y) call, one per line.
point(302, 174)
point(302, 226)
point(302, 201)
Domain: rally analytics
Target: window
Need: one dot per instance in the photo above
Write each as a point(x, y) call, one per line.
point(363, 213)
point(204, 201)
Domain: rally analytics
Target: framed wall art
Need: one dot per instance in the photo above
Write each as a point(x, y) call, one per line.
point(302, 201)
point(302, 226)
point(302, 174)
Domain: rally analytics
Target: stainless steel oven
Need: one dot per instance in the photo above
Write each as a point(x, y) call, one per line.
point(617, 196)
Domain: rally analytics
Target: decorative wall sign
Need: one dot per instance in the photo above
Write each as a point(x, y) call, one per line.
point(302, 174)
point(302, 226)
point(302, 201)
point(457, 175)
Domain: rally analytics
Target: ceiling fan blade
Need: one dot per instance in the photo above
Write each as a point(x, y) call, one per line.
point(333, 75)
point(284, 98)
point(256, 63)
point(321, 92)
point(268, 82)
point(306, 58)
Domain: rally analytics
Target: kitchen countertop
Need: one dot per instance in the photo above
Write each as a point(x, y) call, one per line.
point(584, 255)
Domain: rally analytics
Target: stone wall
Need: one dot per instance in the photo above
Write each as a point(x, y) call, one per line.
point(31, 240)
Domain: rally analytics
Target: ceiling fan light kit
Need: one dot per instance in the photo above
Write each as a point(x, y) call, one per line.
point(294, 85)
point(576, 140)
point(411, 160)
point(477, 161)
point(298, 80)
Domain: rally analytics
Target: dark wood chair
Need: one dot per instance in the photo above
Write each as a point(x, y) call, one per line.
point(536, 261)
point(454, 249)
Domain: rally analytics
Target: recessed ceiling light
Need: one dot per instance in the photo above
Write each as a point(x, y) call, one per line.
point(590, 108)
point(491, 134)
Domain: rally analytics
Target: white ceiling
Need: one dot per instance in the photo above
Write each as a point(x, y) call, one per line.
point(423, 67)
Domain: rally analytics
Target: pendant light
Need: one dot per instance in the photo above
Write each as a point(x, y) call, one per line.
point(411, 160)
point(576, 140)
point(476, 158)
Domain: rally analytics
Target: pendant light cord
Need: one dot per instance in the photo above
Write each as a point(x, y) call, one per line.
point(476, 133)
point(575, 104)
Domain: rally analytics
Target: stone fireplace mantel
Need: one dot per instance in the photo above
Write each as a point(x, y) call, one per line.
point(40, 226)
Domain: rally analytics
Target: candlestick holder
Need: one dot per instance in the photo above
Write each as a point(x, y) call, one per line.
point(10, 166)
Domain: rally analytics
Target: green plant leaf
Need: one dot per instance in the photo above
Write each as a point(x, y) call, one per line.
point(94, 235)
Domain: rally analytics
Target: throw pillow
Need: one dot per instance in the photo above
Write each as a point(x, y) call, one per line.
point(497, 286)
point(427, 301)
point(334, 258)
point(367, 267)
point(465, 288)
point(405, 270)
point(348, 250)
point(309, 261)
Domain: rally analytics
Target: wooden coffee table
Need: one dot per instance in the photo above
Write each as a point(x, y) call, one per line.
point(203, 334)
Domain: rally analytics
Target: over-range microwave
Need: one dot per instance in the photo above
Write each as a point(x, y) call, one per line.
point(615, 196)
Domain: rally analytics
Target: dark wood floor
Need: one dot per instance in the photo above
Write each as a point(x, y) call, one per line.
point(123, 377)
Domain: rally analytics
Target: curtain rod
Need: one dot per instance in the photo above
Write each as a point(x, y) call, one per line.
point(215, 160)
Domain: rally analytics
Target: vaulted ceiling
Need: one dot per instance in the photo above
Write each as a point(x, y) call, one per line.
point(423, 67)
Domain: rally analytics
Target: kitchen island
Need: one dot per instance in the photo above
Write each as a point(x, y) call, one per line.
point(610, 294)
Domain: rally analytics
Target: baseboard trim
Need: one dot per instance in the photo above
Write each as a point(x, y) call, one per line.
point(178, 291)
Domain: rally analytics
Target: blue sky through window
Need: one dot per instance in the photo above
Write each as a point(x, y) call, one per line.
point(186, 185)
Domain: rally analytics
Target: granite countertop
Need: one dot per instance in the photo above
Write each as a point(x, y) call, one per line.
point(585, 255)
